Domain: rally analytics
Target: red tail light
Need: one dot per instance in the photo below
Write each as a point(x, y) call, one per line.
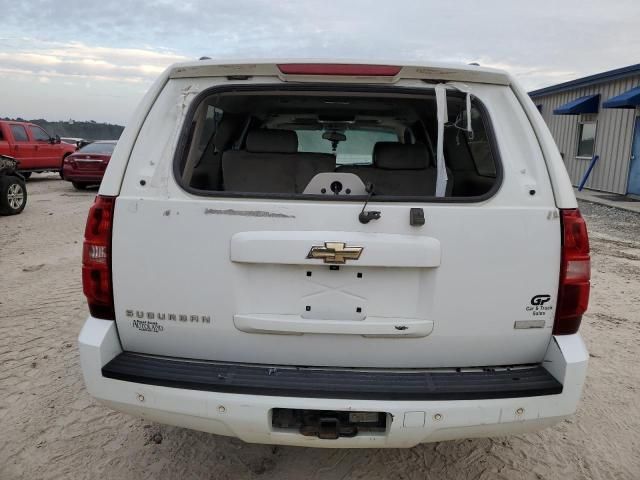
point(339, 69)
point(575, 273)
point(96, 258)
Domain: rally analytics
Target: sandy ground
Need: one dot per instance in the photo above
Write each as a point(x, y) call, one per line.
point(51, 428)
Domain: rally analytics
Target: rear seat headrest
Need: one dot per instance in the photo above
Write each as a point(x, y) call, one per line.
point(272, 141)
point(400, 156)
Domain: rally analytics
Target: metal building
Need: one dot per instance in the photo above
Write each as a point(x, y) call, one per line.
point(598, 116)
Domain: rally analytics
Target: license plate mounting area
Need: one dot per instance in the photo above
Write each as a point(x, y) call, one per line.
point(328, 424)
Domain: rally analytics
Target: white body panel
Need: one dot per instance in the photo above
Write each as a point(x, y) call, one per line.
point(248, 416)
point(291, 248)
point(228, 279)
point(560, 181)
point(474, 257)
point(443, 72)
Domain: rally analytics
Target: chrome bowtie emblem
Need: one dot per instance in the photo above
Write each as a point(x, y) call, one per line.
point(335, 252)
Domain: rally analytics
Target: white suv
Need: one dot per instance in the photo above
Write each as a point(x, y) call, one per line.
point(336, 255)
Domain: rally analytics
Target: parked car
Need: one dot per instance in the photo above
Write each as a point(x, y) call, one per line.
point(13, 191)
point(86, 166)
point(33, 147)
point(337, 255)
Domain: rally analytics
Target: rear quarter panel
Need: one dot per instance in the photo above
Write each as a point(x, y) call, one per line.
point(561, 183)
point(114, 174)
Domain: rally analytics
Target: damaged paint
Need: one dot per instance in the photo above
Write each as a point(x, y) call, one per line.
point(185, 95)
point(246, 213)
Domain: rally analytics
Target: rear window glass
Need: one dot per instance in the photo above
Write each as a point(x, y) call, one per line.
point(294, 143)
point(96, 147)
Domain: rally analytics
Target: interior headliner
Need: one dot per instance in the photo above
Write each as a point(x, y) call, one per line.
point(407, 107)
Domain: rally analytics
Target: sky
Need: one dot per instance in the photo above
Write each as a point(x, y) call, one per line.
point(93, 60)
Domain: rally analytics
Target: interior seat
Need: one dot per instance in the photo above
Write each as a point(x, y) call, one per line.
point(265, 166)
point(207, 174)
point(308, 165)
point(468, 182)
point(271, 163)
point(366, 173)
point(401, 169)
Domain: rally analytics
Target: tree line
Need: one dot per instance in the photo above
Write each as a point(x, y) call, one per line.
point(89, 130)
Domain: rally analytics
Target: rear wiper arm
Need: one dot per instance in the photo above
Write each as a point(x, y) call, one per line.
point(366, 217)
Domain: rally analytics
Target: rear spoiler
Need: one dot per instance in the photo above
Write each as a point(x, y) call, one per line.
point(340, 72)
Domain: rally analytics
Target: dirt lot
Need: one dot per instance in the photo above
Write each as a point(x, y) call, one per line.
point(51, 428)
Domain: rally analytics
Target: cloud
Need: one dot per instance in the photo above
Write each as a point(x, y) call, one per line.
point(530, 75)
point(80, 61)
point(124, 46)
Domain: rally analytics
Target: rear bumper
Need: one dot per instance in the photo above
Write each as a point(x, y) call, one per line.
point(350, 384)
point(139, 386)
point(74, 175)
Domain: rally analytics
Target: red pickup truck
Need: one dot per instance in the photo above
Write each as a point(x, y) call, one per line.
point(33, 147)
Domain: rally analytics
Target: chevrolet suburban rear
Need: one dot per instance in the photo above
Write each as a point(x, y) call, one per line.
point(336, 255)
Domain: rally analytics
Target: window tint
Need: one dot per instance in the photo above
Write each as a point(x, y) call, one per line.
point(39, 134)
point(479, 146)
point(586, 139)
point(211, 121)
point(19, 133)
point(356, 149)
point(97, 147)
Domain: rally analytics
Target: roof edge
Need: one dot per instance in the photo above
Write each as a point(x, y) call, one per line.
point(589, 80)
point(440, 71)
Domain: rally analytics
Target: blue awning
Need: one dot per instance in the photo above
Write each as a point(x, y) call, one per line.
point(588, 104)
point(628, 99)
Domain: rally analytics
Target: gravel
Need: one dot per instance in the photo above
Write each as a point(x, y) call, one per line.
point(51, 428)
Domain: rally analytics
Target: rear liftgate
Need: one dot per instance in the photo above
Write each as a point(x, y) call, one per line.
point(288, 280)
